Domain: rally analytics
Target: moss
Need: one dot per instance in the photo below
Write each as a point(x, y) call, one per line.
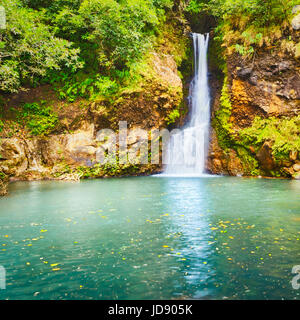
point(249, 163)
point(227, 139)
point(37, 117)
point(113, 170)
point(172, 116)
point(221, 121)
point(283, 133)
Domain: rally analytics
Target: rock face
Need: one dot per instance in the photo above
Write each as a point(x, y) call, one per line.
point(296, 19)
point(3, 188)
point(76, 144)
point(266, 86)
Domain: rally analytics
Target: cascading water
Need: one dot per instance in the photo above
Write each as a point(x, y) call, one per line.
point(188, 148)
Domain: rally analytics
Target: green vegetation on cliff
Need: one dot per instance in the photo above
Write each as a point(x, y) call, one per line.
point(244, 25)
point(284, 134)
point(221, 121)
point(227, 138)
point(50, 41)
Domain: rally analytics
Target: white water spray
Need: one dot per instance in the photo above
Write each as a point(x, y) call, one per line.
point(187, 149)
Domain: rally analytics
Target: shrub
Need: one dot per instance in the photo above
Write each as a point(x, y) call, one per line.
point(29, 48)
point(38, 118)
point(284, 134)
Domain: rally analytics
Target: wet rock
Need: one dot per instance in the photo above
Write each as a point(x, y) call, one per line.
point(244, 73)
point(253, 80)
point(296, 167)
point(217, 165)
point(265, 157)
point(235, 167)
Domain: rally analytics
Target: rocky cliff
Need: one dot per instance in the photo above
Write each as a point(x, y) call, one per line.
point(69, 150)
point(255, 111)
point(255, 122)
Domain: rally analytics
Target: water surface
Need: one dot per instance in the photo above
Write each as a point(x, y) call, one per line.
point(151, 238)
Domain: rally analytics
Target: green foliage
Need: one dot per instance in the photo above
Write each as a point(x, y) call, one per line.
point(226, 136)
point(45, 39)
point(1, 125)
point(247, 24)
point(260, 13)
point(28, 49)
point(38, 118)
point(196, 6)
point(173, 116)
point(221, 121)
point(249, 163)
point(108, 169)
point(89, 88)
point(121, 29)
point(284, 134)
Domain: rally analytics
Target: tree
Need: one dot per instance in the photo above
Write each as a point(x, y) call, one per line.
point(28, 48)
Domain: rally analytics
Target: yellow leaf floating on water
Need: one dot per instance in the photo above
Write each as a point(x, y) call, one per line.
point(44, 230)
point(54, 264)
point(165, 246)
point(55, 269)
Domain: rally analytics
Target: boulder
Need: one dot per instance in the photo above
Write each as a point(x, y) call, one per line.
point(265, 157)
point(244, 73)
point(296, 19)
point(296, 167)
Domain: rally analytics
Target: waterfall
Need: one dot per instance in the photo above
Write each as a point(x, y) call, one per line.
point(187, 149)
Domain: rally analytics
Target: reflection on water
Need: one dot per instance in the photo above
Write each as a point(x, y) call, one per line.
point(151, 238)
